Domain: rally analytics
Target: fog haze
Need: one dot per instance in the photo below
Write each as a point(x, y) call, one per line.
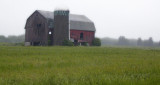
point(112, 18)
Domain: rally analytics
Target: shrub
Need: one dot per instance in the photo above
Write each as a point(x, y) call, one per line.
point(85, 44)
point(67, 43)
point(96, 42)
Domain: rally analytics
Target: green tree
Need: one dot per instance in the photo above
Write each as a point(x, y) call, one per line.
point(139, 42)
point(96, 42)
point(2, 38)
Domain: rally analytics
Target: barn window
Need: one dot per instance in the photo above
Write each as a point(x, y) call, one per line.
point(51, 24)
point(39, 25)
point(81, 36)
point(72, 34)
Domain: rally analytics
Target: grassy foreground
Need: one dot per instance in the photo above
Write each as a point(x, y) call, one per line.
point(79, 66)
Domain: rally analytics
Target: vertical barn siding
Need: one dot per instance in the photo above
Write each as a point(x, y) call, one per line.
point(88, 35)
point(34, 33)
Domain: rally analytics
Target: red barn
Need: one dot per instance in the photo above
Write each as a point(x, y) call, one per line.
point(44, 26)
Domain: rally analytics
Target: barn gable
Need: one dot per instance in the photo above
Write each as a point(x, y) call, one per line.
point(36, 30)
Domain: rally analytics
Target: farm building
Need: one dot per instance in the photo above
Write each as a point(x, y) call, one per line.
point(52, 28)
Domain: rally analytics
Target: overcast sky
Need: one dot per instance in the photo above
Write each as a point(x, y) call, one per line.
point(112, 18)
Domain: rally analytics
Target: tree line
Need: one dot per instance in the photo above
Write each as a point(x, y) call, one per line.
point(12, 39)
point(122, 41)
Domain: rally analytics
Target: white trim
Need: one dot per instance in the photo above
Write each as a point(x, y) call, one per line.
point(69, 26)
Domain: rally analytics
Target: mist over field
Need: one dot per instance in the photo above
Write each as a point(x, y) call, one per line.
point(106, 41)
point(112, 18)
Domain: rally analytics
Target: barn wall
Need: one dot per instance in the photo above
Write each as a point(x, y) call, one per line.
point(36, 29)
point(88, 35)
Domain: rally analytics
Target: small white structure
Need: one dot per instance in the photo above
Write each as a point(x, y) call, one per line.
point(27, 43)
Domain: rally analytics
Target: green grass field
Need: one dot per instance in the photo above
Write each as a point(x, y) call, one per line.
point(79, 66)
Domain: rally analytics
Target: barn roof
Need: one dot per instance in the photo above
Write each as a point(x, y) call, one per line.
point(77, 22)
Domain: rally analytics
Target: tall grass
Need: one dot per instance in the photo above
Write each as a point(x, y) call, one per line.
point(79, 66)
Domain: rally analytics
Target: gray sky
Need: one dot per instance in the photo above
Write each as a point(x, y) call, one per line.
point(112, 18)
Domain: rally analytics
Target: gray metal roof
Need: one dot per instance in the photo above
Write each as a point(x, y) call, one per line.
point(77, 22)
point(46, 14)
point(86, 26)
